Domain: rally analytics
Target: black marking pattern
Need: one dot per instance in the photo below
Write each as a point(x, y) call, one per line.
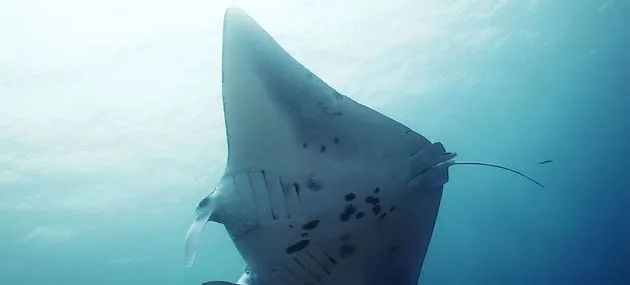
point(300, 245)
point(347, 213)
point(346, 250)
point(310, 225)
point(350, 209)
point(359, 215)
point(313, 184)
point(309, 263)
point(372, 200)
point(318, 263)
point(376, 209)
point(296, 186)
point(349, 197)
point(344, 217)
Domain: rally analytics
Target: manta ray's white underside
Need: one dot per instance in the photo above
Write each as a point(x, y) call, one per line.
point(318, 189)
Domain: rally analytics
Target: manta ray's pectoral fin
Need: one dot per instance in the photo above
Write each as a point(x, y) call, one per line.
point(218, 283)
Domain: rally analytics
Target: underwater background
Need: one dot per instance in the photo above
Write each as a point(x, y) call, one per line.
point(111, 130)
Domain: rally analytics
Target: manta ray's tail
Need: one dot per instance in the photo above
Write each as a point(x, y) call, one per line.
point(500, 167)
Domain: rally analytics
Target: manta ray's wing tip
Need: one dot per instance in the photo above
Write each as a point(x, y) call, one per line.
point(240, 33)
point(236, 14)
point(232, 12)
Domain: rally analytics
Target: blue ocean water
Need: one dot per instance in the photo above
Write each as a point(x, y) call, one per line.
point(111, 130)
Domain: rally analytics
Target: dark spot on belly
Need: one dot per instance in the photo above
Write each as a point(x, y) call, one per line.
point(297, 187)
point(346, 250)
point(336, 140)
point(359, 215)
point(372, 200)
point(312, 184)
point(382, 215)
point(304, 235)
point(350, 196)
point(300, 245)
point(344, 217)
point(322, 148)
point(376, 210)
point(310, 225)
point(376, 190)
point(393, 249)
point(304, 145)
point(347, 213)
point(392, 208)
point(350, 209)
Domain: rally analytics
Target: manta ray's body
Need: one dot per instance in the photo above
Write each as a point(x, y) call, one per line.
point(318, 189)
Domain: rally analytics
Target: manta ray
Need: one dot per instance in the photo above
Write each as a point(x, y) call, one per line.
point(318, 189)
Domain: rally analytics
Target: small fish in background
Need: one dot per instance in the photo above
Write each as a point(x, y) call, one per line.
point(545, 161)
